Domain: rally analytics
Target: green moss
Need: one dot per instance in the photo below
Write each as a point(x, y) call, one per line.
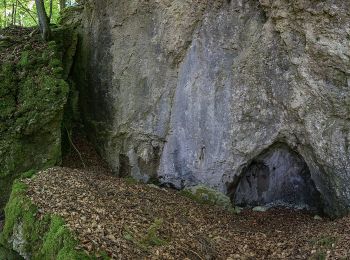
point(29, 174)
point(32, 99)
point(205, 195)
point(154, 180)
point(13, 210)
point(5, 188)
point(45, 237)
point(72, 15)
point(58, 243)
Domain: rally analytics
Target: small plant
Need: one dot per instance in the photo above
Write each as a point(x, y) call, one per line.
point(128, 235)
point(150, 239)
point(325, 241)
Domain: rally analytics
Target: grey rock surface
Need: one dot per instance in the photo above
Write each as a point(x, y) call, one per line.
point(192, 91)
point(277, 177)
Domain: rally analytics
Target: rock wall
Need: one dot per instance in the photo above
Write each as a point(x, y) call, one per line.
point(192, 91)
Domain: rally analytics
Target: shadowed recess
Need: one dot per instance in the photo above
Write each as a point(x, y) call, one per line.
point(277, 177)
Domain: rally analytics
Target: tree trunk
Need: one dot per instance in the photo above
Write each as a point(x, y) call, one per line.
point(5, 13)
point(43, 20)
point(15, 15)
point(62, 4)
point(12, 13)
point(50, 15)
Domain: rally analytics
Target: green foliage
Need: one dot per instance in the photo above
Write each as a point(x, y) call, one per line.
point(29, 174)
point(24, 59)
point(23, 12)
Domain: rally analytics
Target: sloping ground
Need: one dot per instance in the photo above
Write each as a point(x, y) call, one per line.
point(133, 221)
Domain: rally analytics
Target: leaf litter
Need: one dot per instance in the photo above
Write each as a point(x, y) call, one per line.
point(139, 221)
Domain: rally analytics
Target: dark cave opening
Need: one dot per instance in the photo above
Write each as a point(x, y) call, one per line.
point(278, 177)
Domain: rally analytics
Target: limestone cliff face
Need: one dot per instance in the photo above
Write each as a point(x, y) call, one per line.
point(193, 91)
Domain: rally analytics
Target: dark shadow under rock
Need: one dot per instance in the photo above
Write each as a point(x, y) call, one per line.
point(277, 177)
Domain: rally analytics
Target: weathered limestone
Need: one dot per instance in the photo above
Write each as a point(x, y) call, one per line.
point(192, 91)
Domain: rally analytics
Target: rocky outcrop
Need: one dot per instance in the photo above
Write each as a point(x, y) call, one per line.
point(32, 99)
point(194, 91)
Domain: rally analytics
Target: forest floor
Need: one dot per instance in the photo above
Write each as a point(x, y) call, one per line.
point(138, 221)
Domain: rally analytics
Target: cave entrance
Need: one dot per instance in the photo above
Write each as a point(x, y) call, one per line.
point(277, 177)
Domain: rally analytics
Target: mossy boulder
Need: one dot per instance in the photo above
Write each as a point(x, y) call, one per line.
point(206, 195)
point(33, 94)
point(34, 235)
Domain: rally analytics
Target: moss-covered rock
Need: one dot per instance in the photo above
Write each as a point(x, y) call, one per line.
point(33, 235)
point(33, 94)
point(206, 195)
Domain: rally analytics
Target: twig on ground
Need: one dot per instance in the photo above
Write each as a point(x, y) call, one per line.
point(75, 148)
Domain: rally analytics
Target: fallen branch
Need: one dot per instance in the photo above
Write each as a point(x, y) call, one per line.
point(75, 148)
